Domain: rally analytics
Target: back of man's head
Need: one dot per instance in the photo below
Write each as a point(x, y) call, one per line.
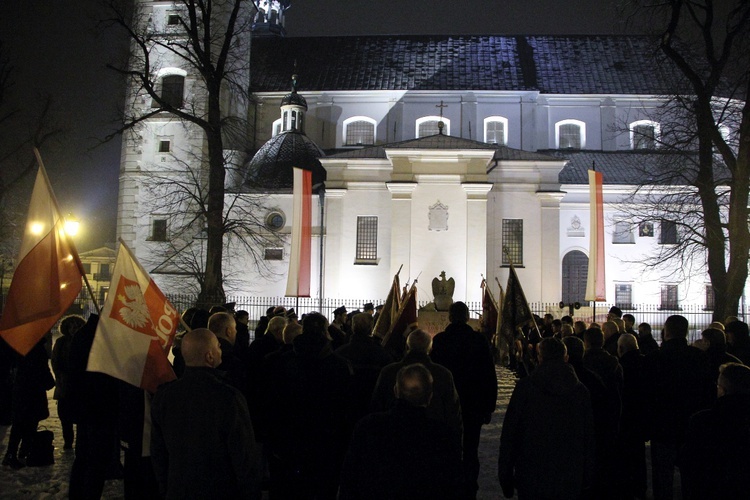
point(551, 349)
point(291, 330)
point(609, 328)
point(734, 378)
point(574, 346)
point(419, 341)
point(414, 385)
point(220, 323)
point(738, 331)
point(675, 327)
point(717, 340)
point(644, 329)
point(276, 327)
point(594, 338)
point(242, 317)
point(458, 313)
point(626, 343)
point(200, 347)
point(629, 320)
point(362, 324)
point(314, 324)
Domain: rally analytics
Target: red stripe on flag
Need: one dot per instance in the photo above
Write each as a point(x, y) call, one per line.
point(303, 284)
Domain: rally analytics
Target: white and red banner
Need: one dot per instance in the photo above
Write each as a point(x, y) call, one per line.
point(595, 285)
point(298, 279)
point(136, 328)
point(48, 276)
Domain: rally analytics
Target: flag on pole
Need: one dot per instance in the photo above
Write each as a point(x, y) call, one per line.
point(390, 309)
point(298, 280)
point(595, 284)
point(490, 313)
point(136, 328)
point(48, 277)
point(406, 321)
point(516, 311)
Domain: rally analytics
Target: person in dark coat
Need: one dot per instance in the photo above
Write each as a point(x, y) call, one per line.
point(139, 480)
point(310, 424)
point(225, 328)
point(242, 341)
point(646, 342)
point(547, 441)
point(738, 338)
point(269, 342)
point(401, 453)
point(611, 335)
point(202, 441)
point(444, 404)
point(32, 381)
point(467, 354)
point(714, 343)
point(715, 459)
point(681, 384)
point(60, 361)
point(367, 358)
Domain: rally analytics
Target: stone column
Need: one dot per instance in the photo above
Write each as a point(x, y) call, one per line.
point(476, 237)
point(401, 225)
point(551, 271)
point(332, 253)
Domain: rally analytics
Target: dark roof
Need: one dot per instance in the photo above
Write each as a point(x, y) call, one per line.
point(622, 167)
point(271, 167)
point(593, 64)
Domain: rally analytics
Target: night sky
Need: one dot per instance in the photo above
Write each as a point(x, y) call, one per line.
point(57, 50)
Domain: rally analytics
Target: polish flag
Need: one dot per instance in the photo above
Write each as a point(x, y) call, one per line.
point(595, 284)
point(298, 280)
point(136, 328)
point(48, 277)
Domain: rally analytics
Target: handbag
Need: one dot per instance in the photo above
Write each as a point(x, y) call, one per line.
point(42, 452)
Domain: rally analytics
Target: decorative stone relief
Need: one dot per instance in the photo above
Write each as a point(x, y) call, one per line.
point(576, 229)
point(438, 216)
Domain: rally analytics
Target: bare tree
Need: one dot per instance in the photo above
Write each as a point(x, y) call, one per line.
point(209, 40)
point(699, 184)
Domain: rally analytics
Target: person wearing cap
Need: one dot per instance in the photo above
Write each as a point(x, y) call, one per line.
point(614, 312)
point(369, 308)
point(339, 330)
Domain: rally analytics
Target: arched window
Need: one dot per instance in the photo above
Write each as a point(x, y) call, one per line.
point(496, 130)
point(644, 134)
point(570, 134)
point(428, 125)
point(359, 130)
point(276, 128)
point(575, 266)
point(171, 87)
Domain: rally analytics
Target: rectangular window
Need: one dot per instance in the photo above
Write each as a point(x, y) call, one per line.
point(274, 254)
point(159, 230)
point(428, 128)
point(710, 298)
point(86, 267)
point(646, 229)
point(513, 242)
point(495, 133)
point(367, 239)
point(623, 232)
point(165, 146)
point(360, 132)
point(570, 136)
point(172, 89)
point(173, 20)
point(669, 298)
point(103, 291)
point(644, 137)
point(668, 233)
point(624, 295)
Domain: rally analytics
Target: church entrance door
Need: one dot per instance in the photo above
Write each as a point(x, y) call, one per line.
point(575, 266)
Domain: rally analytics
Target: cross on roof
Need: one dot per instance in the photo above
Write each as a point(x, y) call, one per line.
point(441, 106)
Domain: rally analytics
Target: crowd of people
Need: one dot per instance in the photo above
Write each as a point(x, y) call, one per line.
point(312, 409)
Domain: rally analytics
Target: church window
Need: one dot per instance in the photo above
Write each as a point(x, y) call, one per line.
point(285, 121)
point(428, 125)
point(158, 230)
point(669, 297)
point(668, 233)
point(273, 254)
point(172, 89)
point(710, 298)
point(275, 220)
point(570, 134)
point(367, 239)
point(359, 130)
point(165, 146)
point(276, 128)
point(496, 130)
point(623, 232)
point(644, 134)
point(624, 295)
point(513, 242)
point(293, 125)
point(173, 20)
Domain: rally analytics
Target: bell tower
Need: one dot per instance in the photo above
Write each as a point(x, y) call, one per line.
point(270, 17)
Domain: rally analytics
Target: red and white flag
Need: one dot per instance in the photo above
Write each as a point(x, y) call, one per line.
point(136, 328)
point(595, 285)
point(298, 279)
point(48, 277)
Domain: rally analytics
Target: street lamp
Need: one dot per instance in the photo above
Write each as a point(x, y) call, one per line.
point(72, 225)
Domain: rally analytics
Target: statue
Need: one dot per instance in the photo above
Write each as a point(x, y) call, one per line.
point(442, 291)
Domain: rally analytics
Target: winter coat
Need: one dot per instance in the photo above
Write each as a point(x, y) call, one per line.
point(466, 353)
point(547, 441)
point(60, 362)
point(33, 380)
point(367, 358)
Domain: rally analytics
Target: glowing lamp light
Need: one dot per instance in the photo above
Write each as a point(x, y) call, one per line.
point(72, 225)
point(63, 286)
point(36, 228)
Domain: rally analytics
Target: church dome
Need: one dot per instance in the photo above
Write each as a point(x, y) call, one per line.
point(294, 99)
point(272, 166)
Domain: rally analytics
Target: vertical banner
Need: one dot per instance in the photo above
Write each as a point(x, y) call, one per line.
point(596, 284)
point(298, 279)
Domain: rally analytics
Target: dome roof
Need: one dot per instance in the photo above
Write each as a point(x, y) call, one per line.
point(271, 167)
point(294, 98)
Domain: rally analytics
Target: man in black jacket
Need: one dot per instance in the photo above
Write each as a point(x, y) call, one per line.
point(202, 441)
point(466, 353)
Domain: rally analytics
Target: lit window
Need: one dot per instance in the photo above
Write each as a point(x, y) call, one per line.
point(570, 134)
point(644, 134)
point(513, 242)
point(624, 295)
point(172, 89)
point(276, 129)
point(274, 254)
point(623, 232)
point(159, 230)
point(359, 131)
point(669, 298)
point(668, 233)
point(367, 239)
point(428, 125)
point(496, 130)
point(165, 146)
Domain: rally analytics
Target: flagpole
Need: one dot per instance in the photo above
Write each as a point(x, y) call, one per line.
point(69, 238)
point(523, 294)
point(593, 316)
